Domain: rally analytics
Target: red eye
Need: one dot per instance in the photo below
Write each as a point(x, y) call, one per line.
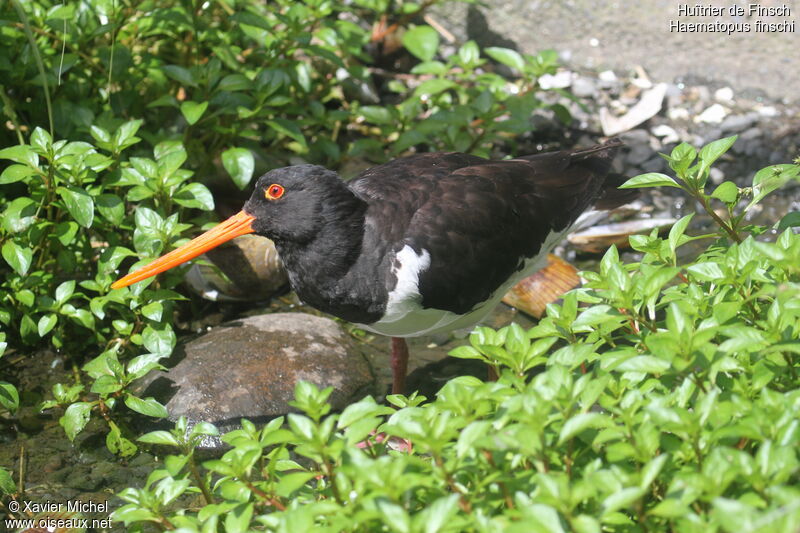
point(274, 192)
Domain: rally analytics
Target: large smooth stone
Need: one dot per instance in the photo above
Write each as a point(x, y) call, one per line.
point(248, 368)
point(247, 269)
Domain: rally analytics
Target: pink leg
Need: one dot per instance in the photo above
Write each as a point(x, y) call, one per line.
point(399, 364)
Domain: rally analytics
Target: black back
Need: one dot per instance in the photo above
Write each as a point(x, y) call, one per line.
point(479, 219)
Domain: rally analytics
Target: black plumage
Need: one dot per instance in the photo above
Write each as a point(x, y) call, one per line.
point(479, 220)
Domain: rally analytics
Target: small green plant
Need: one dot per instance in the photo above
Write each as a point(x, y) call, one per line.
point(661, 396)
point(458, 104)
point(64, 237)
point(9, 395)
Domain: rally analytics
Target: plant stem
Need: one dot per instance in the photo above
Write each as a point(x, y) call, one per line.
point(39, 64)
point(199, 480)
point(8, 107)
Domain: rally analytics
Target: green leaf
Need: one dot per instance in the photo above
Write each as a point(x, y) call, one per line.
point(19, 215)
point(240, 164)
point(142, 364)
point(79, 204)
point(394, 516)
point(42, 140)
point(291, 482)
point(437, 515)
point(75, 419)
point(9, 396)
point(195, 195)
point(727, 192)
point(434, 86)
point(422, 41)
point(46, 323)
point(581, 422)
point(669, 508)
point(644, 363)
point(652, 469)
point(18, 257)
point(676, 236)
point(66, 232)
point(713, 150)
point(146, 406)
point(770, 178)
point(238, 519)
point(790, 220)
point(65, 291)
point(303, 73)
point(153, 311)
point(621, 498)
point(21, 153)
point(106, 384)
point(542, 518)
point(118, 444)
point(681, 157)
point(466, 352)
point(111, 207)
point(469, 53)
point(133, 512)
point(159, 341)
point(709, 271)
point(7, 485)
point(376, 114)
point(192, 111)
point(164, 438)
point(506, 56)
point(651, 179)
point(180, 74)
point(14, 173)
point(234, 82)
point(288, 128)
point(125, 134)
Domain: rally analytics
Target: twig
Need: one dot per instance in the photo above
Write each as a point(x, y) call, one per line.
point(432, 22)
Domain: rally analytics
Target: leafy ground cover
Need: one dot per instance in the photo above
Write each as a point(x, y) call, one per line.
point(661, 396)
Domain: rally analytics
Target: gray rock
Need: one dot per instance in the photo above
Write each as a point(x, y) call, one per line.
point(248, 368)
point(583, 87)
point(655, 164)
point(639, 154)
point(751, 133)
point(735, 123)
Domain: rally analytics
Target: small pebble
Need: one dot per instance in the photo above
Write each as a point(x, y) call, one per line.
point(712, 114)
point(559, 80)
point(666, 133)
point(583, 87)
point(607, 76)
point(724, 95)
point(767, 111)
point(678, 113)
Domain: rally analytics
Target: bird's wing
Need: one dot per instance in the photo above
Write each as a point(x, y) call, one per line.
point(495, 216)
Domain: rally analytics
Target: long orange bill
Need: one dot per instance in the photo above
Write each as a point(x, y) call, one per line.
point(238, 224)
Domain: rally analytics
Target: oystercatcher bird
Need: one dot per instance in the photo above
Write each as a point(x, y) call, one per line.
point(419, 245)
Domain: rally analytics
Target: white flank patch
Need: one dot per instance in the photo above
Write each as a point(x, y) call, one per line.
point(404, 315)
point(405, 296)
